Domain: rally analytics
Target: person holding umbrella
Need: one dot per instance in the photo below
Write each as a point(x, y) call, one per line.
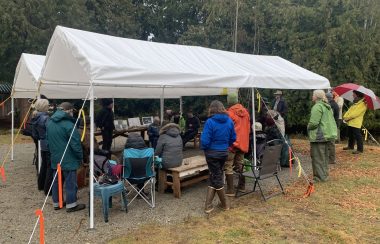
point(354, 119)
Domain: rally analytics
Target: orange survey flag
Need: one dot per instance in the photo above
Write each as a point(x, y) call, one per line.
point(60, 197)
point(42, 225)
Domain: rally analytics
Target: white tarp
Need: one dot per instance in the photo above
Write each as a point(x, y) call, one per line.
point(78, 58)
point(27, 74)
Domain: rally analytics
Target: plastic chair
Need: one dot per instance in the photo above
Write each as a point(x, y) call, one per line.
point(106, 192)
point(266, 168)
point(138, 169)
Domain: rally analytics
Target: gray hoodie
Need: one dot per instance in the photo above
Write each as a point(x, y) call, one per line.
point(169, 146)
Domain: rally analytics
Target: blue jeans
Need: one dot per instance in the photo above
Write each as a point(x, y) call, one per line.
point(71, 188)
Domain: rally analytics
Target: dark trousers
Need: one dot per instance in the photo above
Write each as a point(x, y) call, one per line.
point(215, 167)
point(45, 159)
point(45, 177)
point(71, 188)
point(354, 134)
point(107, 139)
point(188, 136)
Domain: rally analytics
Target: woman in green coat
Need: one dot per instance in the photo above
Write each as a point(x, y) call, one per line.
point(321, 130)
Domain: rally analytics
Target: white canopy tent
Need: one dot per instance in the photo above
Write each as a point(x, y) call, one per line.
point(77, 61)
point(25, 83)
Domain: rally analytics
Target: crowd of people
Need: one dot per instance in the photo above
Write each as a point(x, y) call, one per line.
point(226, 140)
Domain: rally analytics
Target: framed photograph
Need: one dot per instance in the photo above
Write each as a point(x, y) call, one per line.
point(147, 120)
point(117, 124)
point(134, 122)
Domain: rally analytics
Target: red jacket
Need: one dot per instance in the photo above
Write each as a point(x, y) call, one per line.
point(241, 119)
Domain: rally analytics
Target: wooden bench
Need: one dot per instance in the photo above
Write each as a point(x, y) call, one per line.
point(192, 170)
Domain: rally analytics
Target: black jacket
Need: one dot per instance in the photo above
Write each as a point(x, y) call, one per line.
point(335, 109)
point(104, 120)
point(192, 124)
point(282, 108)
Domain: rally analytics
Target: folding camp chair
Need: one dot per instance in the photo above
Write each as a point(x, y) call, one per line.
point(138, 169)
point(266, 168)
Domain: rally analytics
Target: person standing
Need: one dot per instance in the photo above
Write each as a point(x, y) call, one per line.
point(154, 131)
point(217, 136)
point(105, 121)
point(59, 129)
point(192, 126)
point(279, 104)
point(39, 122)
point(321, 130)
point(335, 108)
point(354, 119)
point(340, 101)
point(241, 120)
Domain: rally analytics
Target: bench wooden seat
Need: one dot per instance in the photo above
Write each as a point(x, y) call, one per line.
point(192, 170)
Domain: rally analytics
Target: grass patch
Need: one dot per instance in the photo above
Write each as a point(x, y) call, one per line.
point(346, 209)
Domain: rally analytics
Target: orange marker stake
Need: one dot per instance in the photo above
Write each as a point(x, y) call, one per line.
point(290, 160)
point(2, 172)
point(42, 226)
point(60, 198)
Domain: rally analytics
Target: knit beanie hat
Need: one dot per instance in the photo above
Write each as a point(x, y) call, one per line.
point(232, 98)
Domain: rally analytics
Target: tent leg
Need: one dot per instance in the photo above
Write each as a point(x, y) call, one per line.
point(39, 156)
point(13, 126)
point(91, 183)
point(253, 128)
point(180, 106)
point(162, 105)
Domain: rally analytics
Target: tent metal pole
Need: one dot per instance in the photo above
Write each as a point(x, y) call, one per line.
point(39, 148)
point(13, 126)
point(253, 128)
point(162, 105)
point(180, 106)
point(91, 158)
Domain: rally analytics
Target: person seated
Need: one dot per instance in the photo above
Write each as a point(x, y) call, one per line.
point(154, 131)
point(169, 146)
point(261, 140)
point(192, 127)
point(271, 130)
point(135, 141)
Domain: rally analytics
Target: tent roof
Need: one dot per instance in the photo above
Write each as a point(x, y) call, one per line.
point(79, 58)
point(27, 75)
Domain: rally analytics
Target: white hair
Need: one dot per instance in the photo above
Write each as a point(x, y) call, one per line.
point(320, 95)
point(41, 105)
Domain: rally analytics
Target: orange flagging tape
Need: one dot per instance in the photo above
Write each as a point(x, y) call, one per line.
point(60, 198)
point(42, 226)
point(2, 172)
point(310, 189)
point(290, 160)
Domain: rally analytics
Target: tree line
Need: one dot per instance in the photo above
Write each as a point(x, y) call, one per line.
point(338, 39)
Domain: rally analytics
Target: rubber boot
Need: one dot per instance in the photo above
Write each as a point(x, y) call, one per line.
point(224, 204)
point(241, 184)
point(230, 185)
point(210, 196)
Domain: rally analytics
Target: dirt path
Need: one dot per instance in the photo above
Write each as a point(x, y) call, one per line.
point(19, 198)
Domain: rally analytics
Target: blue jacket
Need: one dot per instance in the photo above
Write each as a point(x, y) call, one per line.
point(59, 130)
point(218, 133)
point(39, 123)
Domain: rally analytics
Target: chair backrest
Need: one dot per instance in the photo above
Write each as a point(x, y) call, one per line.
point(138, 163)
point(271, 157)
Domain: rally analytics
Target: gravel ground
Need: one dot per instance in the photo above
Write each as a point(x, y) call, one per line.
point(19, 198)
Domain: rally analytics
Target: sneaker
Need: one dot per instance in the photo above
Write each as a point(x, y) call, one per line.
point(76, 208)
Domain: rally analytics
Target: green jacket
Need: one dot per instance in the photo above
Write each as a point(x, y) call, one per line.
point(322, 126)
point(58, 133)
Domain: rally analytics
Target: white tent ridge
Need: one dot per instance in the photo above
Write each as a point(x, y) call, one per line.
point(80, 58)
point(28, 71)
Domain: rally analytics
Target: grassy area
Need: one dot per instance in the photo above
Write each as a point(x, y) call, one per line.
point(343, 210)
point(6, 139)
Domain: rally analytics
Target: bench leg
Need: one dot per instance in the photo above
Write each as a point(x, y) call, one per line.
point(176, 185)
point(162, 181)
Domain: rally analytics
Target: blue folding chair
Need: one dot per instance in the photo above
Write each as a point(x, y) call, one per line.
point(138, 169)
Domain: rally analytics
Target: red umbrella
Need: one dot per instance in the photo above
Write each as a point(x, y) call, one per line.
point(345, 91)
